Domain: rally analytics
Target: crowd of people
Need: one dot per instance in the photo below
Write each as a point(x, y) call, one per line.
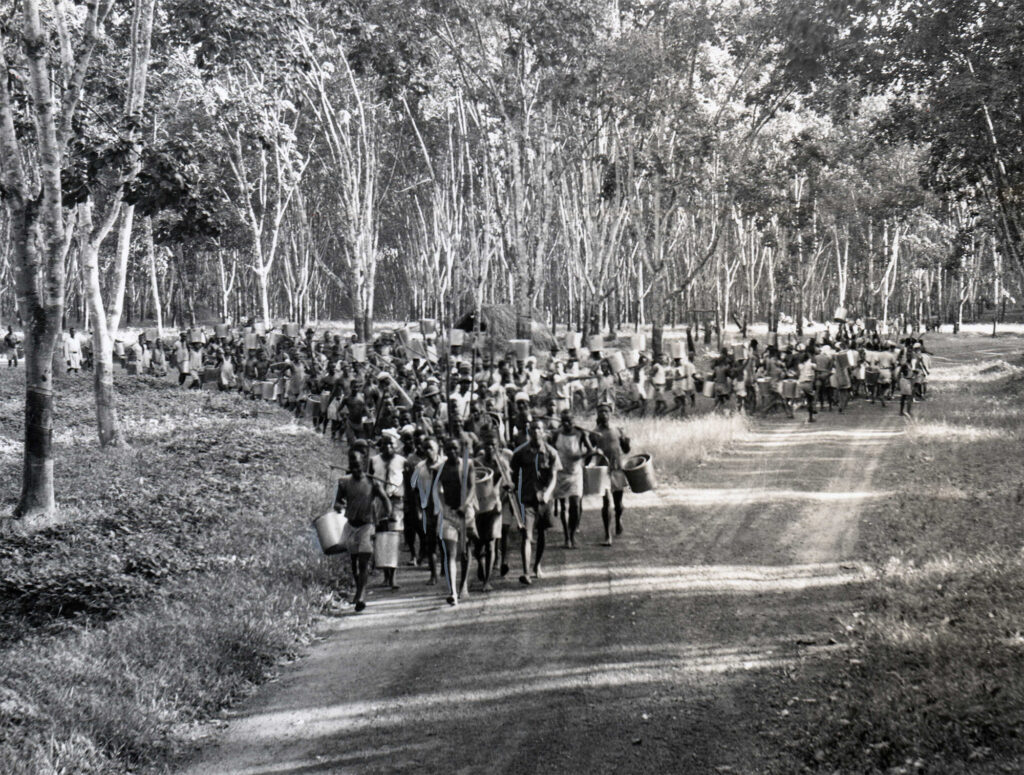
point(458, 450)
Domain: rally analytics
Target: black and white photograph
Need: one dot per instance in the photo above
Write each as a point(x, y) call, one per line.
point(515, 387)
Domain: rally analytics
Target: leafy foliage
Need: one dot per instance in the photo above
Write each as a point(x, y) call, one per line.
point(183, 573)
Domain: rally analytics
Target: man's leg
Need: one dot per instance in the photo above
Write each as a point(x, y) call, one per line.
point(617, 500)
point(463, 552)
point(525, 551)
point(428, 550)
point(541, 543)
point(575, 514)
point(606, 518)
point(490, 549)
point(560, 506)
point(503, 548)
point(361, 566)
point(450, 550)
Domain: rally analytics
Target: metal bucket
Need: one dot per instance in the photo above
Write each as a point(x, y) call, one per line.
point(709, 388)
point(456, 337)
point(595, 343)
point(616, 361)
point(267, 390)
point(290, 330)
point(330, 528)
point(385, 549)
point(638, 342)
point(677, 349)
point(573, 340)
point(632, 358)
point(252, 341)
point(773, 338)
point(221, 330)
point(595, 480)
point(521, 347)
point(840, 314)
point(639, 471)
point(359, 352)
point(483, 483)
point(852, 358)
point(739, 351)
point(428, 326)
point(196, 336)
point(790, 388)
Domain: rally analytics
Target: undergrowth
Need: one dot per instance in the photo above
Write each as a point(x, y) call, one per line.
point(182, 572)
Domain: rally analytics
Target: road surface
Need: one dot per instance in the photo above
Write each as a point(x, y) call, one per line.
point(651, 656)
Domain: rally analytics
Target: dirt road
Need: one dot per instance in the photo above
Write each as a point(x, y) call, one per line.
point(651, 656)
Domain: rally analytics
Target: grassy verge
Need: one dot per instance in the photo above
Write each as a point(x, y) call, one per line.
point(183, 573)
point(932, 676)
point(676, 445)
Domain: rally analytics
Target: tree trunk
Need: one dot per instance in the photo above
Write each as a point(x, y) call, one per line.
point(262, 276)
point(42, 328)
point(158, 311)
point(37, 496)
point(124, 239)
point(102, 344)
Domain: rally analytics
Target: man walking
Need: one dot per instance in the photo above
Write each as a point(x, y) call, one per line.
point(534, 465)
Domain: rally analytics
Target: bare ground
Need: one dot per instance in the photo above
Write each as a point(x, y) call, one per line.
point(661, 654)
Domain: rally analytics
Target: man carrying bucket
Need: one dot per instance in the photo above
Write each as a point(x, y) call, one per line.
point(534, 466)
point(388, 468)
point(356, 493)
point(611, 442)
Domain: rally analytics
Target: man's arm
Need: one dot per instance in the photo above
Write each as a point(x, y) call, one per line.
point(378, 492)
point(556, 466)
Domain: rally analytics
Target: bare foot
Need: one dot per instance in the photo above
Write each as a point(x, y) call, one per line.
point(431, 581)
point(487, 587)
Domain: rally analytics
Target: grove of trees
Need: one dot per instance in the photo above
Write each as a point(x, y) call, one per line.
point(593, 163)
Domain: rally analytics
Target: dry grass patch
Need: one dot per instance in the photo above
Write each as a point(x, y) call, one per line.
point(678, 444)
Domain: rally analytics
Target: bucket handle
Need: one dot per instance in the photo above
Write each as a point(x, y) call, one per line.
point(595, 455)
point(642, 456)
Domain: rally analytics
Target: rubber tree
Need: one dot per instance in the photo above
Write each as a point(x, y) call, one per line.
point(33, 158)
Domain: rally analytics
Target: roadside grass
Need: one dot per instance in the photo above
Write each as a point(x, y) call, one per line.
point(931, 674)
point(182, 573)
point(678, 444)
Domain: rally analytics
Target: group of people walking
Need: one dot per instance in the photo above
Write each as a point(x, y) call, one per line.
point(462, 453)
